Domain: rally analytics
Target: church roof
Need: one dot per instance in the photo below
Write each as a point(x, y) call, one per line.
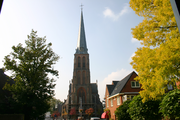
point(81, 44)
point(94, 88)
point(120, 85)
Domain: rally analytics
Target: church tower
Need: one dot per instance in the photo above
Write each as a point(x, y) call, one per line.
point(82, 93)
point(81, 86)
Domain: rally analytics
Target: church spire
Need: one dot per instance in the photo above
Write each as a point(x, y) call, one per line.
point(81, 44)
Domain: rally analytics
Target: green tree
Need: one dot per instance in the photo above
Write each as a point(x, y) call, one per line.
point(121, 111)
point(158, 61)
point(30, 66)
point(53, 103)
point(108, 112)
point(170, 105)
point(148, 110)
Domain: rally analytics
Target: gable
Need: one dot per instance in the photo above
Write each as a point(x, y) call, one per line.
point(120, 85)
point(128, 88)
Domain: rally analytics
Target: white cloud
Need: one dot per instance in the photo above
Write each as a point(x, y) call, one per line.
point(109, 13)
point(133, 40)
point(130, 59)
point(118, 75)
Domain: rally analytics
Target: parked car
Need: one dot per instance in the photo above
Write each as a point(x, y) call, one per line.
point(95, 118)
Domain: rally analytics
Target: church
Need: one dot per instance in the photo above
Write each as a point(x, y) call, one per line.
point(82, 94)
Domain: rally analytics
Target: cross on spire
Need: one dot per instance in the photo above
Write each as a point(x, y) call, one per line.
point(81, 6)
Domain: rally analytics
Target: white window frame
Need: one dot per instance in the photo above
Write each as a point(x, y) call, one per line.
point(118, 100)
point(170, 87)
point(111, 102)
point(135, 84)
point(132, 96)
point(127, 97)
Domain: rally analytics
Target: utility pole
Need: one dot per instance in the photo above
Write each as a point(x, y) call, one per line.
point(1, 3)
point(176, 9)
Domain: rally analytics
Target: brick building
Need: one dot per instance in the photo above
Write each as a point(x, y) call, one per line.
point(120, 91)
point(81, 90)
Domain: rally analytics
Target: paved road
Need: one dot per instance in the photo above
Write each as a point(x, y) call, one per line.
point(51, 119)
point(48, 119)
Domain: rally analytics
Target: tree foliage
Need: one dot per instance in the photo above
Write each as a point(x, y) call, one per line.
point(170, 105)
point(148, 110)
point(30, 66)
point(108, 112)
point(89, 111)
point(121, 111)
point(53, 103)
point(158, 61)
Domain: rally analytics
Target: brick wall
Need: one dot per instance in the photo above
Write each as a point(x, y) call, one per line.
point(178, 84)
point(113, 108)
point(127, 87)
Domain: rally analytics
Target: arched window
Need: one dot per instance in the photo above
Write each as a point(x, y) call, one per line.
point(84, 62)
point(78, 77)
point(83, 77)
point(79, 62)
point(81, 95)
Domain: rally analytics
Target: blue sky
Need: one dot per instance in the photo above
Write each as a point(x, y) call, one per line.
point(107, 23)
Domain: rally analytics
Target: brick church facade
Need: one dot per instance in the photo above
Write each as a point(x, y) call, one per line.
point(81, 90)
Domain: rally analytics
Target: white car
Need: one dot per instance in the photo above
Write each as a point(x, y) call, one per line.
point(95, 118)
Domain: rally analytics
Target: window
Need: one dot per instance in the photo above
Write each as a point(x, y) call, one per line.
point(135, 84)
point(83, 76)
point(118, 100)
point(79, 62)
point(81, 94)
point(128, 97)
point(107, 103)
point(132, 97)
point(170, 87)
point(79, 77)
point(84, 62)
point(111, 102)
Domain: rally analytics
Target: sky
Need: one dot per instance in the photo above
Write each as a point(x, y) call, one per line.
point(107, 24)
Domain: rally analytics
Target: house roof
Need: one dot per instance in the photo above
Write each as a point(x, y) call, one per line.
point(115, 82)
point(111, 87)
point(3, 79)
point(120, 85)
